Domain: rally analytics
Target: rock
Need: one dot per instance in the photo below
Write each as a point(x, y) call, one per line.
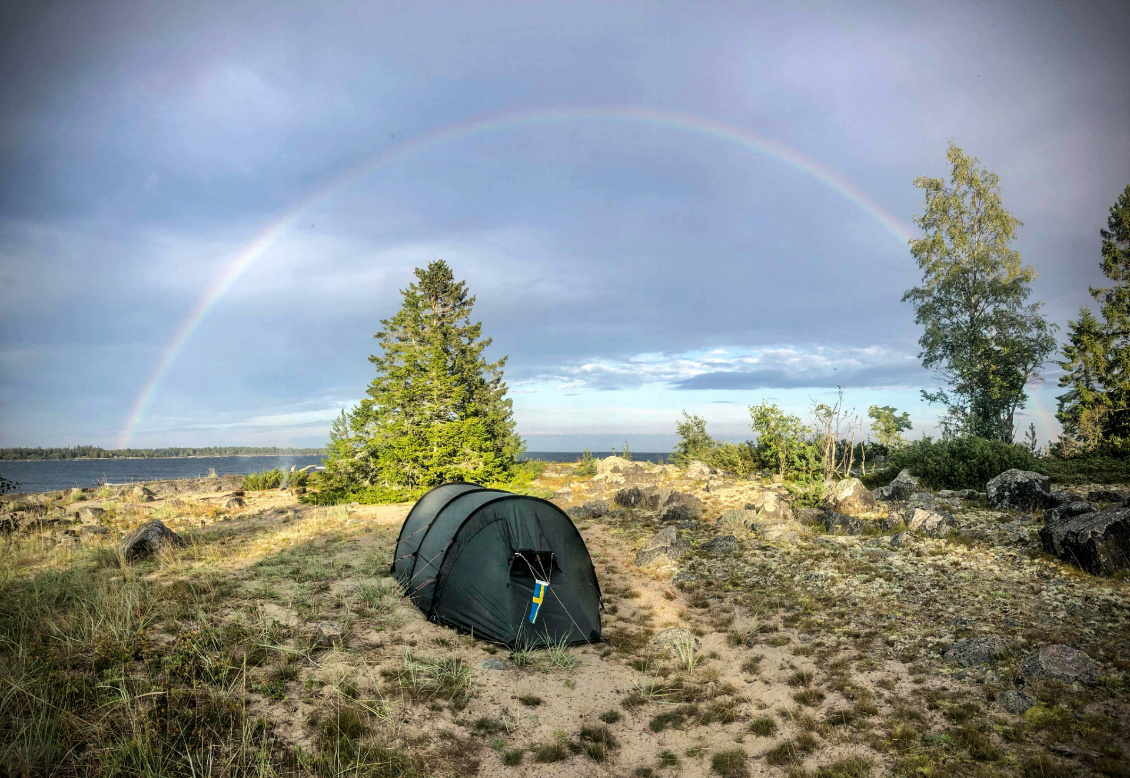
point(1098, 542)
point(142, 494)
point(981, 650)
point(1021, 490)
point(903, 485)
point(930, 522)
point(675, 640)
point(628, 498)
point(1103, 495)
point(969, 494)
point(841, 523)
point(89, 515)
point(234, 503)
point(494, 663)
point(329, 633)
point(1067, 510)
point(92, 529)
point(722, 544)
point(681, 507)
point(848, 496)
point(1061, 663)
point(1016, 702)
point(924, 500)
point(667, 544)
point(148, 539)
point(653, 498)
point(770, 507)
point(902, 539)
point(596, 508)
point(1058, 497)
point(699, 471)
point(612, 465)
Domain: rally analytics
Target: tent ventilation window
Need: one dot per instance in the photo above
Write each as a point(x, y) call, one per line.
point(527, 563)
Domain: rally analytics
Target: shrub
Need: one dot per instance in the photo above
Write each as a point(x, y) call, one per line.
point(267, 479)
point(737, 458)
point(958, 463)
point(587, 465)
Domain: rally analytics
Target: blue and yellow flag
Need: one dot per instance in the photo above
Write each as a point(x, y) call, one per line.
point(539, 595)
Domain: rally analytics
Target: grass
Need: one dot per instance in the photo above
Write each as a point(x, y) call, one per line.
point(763, 726)
point(730, 763)
point(446, 678)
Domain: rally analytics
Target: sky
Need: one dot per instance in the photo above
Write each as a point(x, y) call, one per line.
point(207, 208)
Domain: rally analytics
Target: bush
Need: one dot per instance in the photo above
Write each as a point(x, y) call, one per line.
point(267, 479)
point(959, 463)
point(587, 465)
point(737, 458)
point(1099, 467)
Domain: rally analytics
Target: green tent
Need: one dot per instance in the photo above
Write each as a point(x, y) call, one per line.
point(504, 567)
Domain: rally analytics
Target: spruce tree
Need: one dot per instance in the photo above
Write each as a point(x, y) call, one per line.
point(436, 411)
point(1096, 359)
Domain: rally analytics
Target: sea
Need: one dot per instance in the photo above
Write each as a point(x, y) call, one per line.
point(50, 475)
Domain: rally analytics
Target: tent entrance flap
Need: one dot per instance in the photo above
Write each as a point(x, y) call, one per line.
point(533, 564)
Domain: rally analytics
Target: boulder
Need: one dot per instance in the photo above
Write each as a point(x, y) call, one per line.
point(722, 544)
point(903, 485)
point(1019, 490)
point(1103, 495)
point(1098, 542)
point(89, 515)
point(1061, 663)
point(848, 496)
point(617, 465)
point(931, 523)
point(653, 498)
point(902, 539)
point(148, 539)
point(1016, 702)
point(699, 471)
point(234, 503)
point(675, 640)
point(770, 507)
point(840, 523)
point(628, 498)
point(596, 508)
point(968, 494)
point(667, 544)
point(142, 494)
point(681, 507)
point(1067, 510)
point(924, 500)
point(593, 509)
point(981, 650)
point(1058, 497)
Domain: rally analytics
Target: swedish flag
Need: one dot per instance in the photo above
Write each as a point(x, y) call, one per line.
point(539, 595)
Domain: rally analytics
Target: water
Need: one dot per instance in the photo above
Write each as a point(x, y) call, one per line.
point(50, 475)
point(575, 456)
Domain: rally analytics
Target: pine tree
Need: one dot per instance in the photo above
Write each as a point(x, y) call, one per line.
point(1096, 358)
point(436, 411)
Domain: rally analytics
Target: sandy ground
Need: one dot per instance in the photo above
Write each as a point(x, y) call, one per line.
point(818, 654)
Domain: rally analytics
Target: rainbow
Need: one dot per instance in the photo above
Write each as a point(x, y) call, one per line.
point(246, 258)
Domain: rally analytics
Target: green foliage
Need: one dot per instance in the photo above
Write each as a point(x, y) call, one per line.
point(1108, 464)
point(258, 482)
point(738, 458)
point(981, 336)
point(587, 465)
point(7, 486)
point(694, 443)
point(627, 452)
point(888, 425)
point(964, 462)
point(436, 411)
point(1096, 359)
point(783, 440)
